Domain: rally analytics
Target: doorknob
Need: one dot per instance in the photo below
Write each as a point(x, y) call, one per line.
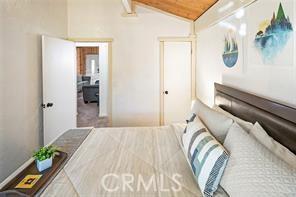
point(166, 92)
point(49, 105)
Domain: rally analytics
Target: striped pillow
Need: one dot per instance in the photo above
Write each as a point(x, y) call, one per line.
point(191, 119)
point(206, 156)
point(190, 129)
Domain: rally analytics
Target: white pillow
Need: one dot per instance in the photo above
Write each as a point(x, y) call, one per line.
point(247, 126)
point(275, 147)
point(217, 123)
point(206, 156)
point(252, 170)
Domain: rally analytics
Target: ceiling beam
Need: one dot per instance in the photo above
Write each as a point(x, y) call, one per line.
point(127, 4)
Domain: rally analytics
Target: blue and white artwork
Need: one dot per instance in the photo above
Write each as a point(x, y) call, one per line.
point(230, 54)
point(273, 35)
point(270, 33)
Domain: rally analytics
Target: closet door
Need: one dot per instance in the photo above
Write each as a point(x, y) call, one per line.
point(177, 81)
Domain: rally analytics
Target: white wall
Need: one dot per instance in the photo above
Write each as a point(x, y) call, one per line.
point(135, 53)
point(22, 23)
point(273, 82)
point(104, 86)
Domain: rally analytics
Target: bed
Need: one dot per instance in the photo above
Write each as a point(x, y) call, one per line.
point(143, 155)
point(277, 119)
point(142, 151)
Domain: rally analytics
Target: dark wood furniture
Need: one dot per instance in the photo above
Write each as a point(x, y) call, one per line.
point(68, 143)
point(277, 119)
point(10, 189)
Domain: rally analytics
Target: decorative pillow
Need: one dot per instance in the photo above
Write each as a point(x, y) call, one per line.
point(192, 113)
point(217, 123)
point(275, 147)
point(206, 156)
point(247, 126)
point(191, 119)
point(191, 129)
point(252, 170)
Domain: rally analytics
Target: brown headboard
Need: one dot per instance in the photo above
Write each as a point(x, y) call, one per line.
point(277, 119)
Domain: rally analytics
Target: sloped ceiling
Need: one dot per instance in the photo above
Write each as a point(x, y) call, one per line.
point(189, 9)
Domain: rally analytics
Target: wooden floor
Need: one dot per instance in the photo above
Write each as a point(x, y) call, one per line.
point(88, 114)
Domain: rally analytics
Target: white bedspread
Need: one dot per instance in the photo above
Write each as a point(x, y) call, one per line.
point(110, 157)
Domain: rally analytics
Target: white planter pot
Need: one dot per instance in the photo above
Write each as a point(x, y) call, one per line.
point(43, 165)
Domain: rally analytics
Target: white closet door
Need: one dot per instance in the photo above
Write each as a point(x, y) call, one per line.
point(59, 87)
point(177, 81)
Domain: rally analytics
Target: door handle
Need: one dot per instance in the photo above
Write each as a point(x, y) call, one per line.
point(49, 104)
point(166, 92)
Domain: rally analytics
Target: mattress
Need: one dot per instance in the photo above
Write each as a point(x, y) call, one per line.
point(137, 161)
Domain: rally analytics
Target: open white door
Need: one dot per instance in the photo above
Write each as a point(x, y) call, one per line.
point(59, 87)
point(177, 81)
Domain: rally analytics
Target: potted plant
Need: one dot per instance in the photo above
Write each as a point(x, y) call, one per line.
point(44, 156)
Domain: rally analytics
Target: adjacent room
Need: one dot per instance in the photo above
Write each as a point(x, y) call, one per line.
point(147, 98)
point(92, 84)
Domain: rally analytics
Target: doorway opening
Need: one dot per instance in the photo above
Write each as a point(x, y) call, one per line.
point(93, 91)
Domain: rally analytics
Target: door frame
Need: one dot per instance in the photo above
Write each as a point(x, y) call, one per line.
point(162, 40)
point(110, 58)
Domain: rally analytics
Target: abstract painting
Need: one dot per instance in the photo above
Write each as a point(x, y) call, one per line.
point(273, 35)
point(230, 54)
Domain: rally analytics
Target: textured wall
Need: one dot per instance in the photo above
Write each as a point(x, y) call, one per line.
point(22, 23)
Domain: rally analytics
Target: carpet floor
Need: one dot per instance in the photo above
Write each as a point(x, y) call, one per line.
point(88, 114)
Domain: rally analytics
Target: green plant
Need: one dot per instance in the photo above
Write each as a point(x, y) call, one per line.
point(45, 153)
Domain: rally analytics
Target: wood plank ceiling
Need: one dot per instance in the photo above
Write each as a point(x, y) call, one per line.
point(189, 9)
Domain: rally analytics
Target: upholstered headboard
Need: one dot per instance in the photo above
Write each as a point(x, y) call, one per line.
point(277, 119)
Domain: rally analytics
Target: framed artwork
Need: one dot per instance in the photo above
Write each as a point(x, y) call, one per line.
point(230, 53)
point(232, 39)
point(270, 37)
